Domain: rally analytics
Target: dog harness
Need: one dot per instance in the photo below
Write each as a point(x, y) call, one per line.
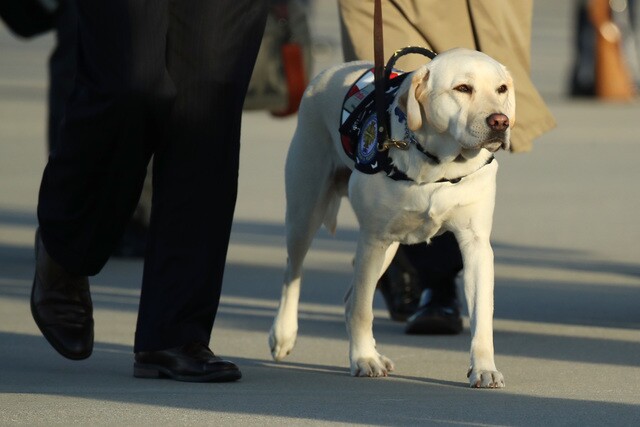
point(359, 124)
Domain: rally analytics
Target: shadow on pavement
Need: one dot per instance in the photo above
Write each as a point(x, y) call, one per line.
point(293, 391)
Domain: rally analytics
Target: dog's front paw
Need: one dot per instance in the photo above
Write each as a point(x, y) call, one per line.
point(377, 366)
point(281, 344)
point(485, 379)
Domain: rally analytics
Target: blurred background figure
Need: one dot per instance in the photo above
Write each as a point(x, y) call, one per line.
point(285, 61)
point(606, 60)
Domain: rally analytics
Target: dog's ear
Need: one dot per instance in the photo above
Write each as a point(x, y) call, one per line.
point(414, 96)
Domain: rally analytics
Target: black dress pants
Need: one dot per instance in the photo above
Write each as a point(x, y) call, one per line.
point(437, 264)
point(62, 67)
point(168, 78)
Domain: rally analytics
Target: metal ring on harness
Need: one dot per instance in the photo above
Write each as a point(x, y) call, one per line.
point(382, 111)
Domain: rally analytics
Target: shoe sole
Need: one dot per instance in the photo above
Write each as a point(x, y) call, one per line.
point(141, 370)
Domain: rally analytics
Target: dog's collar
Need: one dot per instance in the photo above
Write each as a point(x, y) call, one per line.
point(398, 175)
point(410, 137)
point(460, 178)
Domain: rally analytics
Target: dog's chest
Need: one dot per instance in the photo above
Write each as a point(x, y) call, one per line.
point(408, 213)
point(411, 227)
point(399, 211)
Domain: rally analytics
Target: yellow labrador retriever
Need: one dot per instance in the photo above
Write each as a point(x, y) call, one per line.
point(447, 119)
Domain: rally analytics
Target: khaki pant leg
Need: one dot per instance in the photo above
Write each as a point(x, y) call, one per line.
point(356, 19)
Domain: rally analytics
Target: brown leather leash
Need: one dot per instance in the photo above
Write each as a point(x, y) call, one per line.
point(378, 74)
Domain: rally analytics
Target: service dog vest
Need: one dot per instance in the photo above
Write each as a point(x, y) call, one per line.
point(358, 122)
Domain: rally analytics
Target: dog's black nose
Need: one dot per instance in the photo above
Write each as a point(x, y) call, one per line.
point(498, 122)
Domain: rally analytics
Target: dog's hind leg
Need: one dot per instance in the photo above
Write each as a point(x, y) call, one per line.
point(313, 192)
point(284, 331)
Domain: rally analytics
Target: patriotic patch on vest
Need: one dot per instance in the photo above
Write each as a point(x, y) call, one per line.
point(358, 121)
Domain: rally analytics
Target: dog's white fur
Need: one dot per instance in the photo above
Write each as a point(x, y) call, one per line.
point(447, 103)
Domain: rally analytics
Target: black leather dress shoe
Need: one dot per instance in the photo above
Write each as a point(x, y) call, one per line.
point(193, 362)
point(435, 316)
point(61, 307)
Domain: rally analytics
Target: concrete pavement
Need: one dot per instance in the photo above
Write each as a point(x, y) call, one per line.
point(567, 314)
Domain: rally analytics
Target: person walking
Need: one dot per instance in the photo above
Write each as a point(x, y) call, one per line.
point(165, 78)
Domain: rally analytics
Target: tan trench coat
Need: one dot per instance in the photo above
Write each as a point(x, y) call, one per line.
point(500, 28)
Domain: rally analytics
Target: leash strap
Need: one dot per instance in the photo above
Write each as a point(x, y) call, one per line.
point(378, 73)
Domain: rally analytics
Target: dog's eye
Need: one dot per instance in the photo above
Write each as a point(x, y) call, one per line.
point(463, 88)
point(502, 89)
